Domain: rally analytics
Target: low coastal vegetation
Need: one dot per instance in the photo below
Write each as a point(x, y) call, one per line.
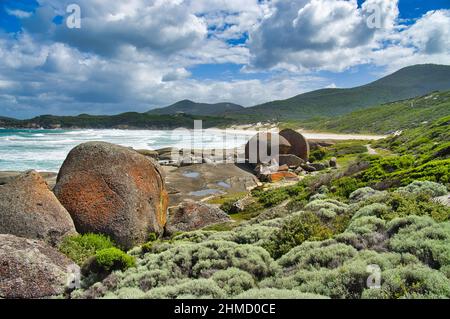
point(318, 238)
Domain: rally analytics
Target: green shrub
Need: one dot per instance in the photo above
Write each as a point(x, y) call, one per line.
point(201, 260)
point(347, 281)
point(413, 281)
point(296, 230)
point(422, 237)
point(424, 187)
point(111, 259)
point(125, 293)
point(318, 197)
point(80, 248)
point(233, 281)
point(366, 232)
point(316, 255)
point(363, 194)
point(253, 234)
point(318, 154)
point(403, 205)
point(376, 210)
point(272, 197)
point(190, 289)
point(273, 293)
point(345, 186)
point(197, 236)
point(328, 204)
point(152, 237)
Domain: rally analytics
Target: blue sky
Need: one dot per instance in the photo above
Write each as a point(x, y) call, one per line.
point(139, 54)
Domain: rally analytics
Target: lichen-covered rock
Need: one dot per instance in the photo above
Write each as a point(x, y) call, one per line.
point(32, 269)
point(191, 215)
point(113, 190)
point(29, 209)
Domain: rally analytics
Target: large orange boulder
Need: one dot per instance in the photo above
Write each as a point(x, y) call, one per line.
point(113, 190)
point(299, 144)
point(29, 209)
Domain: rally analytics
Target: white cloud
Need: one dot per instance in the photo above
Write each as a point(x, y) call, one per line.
point(18, 13)
point(319, 34)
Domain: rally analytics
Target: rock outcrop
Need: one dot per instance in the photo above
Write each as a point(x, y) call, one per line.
point(113, 190)
point(29, 209)
point(291, 160)
point(299, 144)
point(191, 215)
point(32, 269)
point(262, 144)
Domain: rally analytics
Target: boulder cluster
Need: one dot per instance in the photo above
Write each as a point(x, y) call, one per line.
point(281, 156)
point(101, 188)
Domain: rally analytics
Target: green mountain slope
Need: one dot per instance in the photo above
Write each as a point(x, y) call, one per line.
point(190, 107)
point(388, 118)
point(406, 83)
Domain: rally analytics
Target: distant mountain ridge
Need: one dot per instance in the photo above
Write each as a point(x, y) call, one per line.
point(406, 83)
point(193, 108)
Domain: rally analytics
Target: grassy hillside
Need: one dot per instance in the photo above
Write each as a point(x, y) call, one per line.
point(406, 83)
point(387, 118)
point(190, 107)
point(426, 143)
point(125, 120)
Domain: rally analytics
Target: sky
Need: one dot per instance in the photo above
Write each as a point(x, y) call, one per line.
point(136, 55)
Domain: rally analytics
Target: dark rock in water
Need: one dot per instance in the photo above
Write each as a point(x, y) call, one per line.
point(32, 269)
point(333, 162)
point(115, 191)
point(261, 144)
point(191, 215)
point(299, 144)
point(29, 209)
point(291, 160)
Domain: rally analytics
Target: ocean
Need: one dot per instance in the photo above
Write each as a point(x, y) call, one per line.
point(45, 150)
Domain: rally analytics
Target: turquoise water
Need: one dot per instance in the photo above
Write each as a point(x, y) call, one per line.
point(45, 150)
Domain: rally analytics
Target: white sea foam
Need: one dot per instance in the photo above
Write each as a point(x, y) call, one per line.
point(46, 150)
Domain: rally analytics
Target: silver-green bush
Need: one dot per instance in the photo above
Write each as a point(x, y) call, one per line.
point(411, 281)
point(418, 187)
point(422, 237)
point(364, 194)
point(234, 281)
point(316, 255)
point(273, 293)
point(375, 209)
